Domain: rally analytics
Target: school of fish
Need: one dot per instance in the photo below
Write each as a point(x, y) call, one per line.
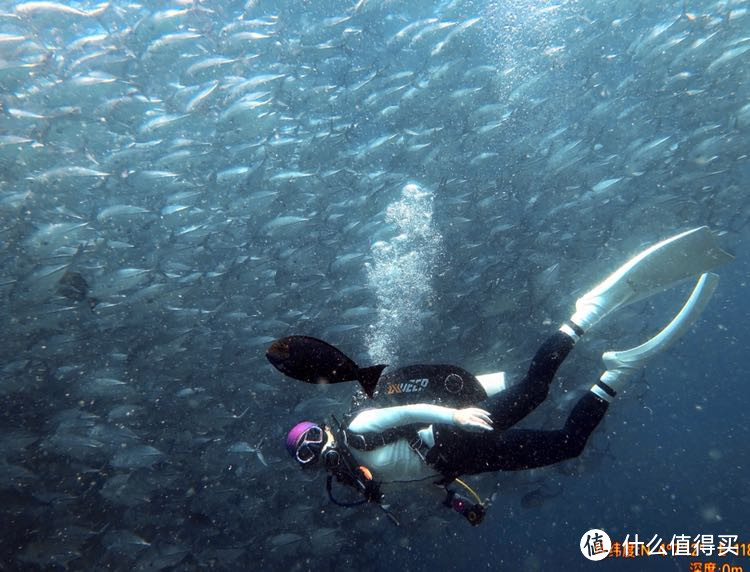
point(183, 182)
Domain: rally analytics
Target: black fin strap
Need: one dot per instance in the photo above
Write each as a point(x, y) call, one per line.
point(578, 330)
point(606, 389)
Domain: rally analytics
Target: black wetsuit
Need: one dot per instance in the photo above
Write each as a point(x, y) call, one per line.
point(461, 452)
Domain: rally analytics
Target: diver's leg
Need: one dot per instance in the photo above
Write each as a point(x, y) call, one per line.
point(528, 449)
point(654, 269)
point(517, 401)
point(457, 452)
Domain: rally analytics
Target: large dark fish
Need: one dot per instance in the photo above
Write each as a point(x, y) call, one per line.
point(315, 361)
point(74, 287)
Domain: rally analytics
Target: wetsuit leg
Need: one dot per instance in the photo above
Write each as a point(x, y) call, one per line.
point(470, 453)
point(516, 402)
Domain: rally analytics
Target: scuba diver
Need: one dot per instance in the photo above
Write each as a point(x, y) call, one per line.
point(423, 423)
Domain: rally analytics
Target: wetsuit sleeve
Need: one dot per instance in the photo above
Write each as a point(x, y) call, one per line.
point(381, 419)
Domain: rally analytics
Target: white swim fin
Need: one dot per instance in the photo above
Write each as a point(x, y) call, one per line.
point(622, 364)
point(655, 269)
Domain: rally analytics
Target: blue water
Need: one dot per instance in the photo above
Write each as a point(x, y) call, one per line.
point(414, 182)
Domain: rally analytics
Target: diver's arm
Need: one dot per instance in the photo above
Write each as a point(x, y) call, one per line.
point(377, 420)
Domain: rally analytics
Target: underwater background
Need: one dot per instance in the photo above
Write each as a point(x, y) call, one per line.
point(183, 182)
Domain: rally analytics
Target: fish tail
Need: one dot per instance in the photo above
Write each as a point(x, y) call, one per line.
point(368, 377)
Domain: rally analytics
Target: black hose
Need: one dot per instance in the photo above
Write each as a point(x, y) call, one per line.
point(329, 489)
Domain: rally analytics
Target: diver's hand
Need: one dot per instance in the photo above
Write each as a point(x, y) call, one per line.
point(472, 419)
